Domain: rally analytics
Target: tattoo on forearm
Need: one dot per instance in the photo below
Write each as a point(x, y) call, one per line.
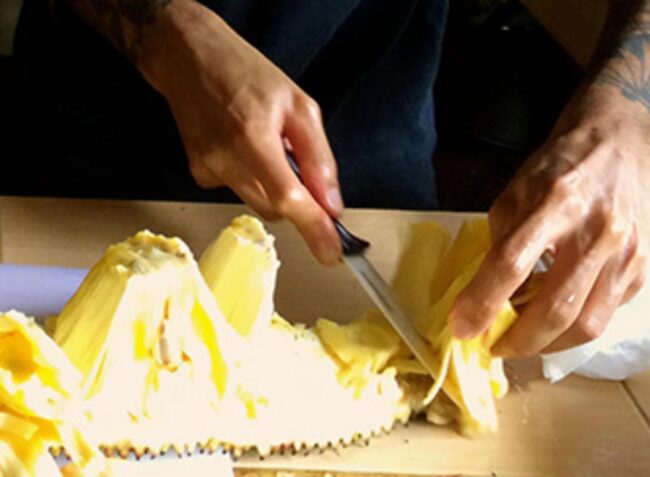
point(121, 21)
point(627, 65)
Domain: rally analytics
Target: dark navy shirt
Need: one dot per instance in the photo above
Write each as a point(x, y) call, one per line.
point(98, 129)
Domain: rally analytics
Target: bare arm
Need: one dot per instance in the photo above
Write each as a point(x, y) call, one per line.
point(122, 22)
point(234, 109)
point(623, 61)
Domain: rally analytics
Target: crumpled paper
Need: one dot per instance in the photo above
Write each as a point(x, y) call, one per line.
point(621, 351)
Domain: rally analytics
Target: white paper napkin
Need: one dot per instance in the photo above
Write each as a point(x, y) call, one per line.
point(622, 350)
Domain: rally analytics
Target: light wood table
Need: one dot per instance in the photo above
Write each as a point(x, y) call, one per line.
point(578, 427)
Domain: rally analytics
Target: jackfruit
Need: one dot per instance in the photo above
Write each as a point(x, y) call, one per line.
point(162, 366)
point(38, 406)
point(151, 343)
point(157, 352)
point(471, 377)
point(240, 268)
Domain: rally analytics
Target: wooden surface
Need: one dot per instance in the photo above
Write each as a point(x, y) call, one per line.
point(578, 427)
point(639, 388)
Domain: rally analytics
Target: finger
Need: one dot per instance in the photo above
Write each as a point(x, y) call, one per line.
point(638, 267)
point(237, 178)
point(504, 269)
point(633, 288)
point(263, 153)
point(560, 301)
point(608, 293)
point(249, 190)
point(304, 130)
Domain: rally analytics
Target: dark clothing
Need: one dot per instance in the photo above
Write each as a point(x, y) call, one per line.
point(99, 130)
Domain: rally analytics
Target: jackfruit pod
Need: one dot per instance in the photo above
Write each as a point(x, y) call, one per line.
point(36, 377)
point(419, 266)
point(39, 405)
point(468, 374)
point(474, 377)
point(240, 268)
point(472, 240)
point(22, 454)
point(143, 327)
point(362, 348)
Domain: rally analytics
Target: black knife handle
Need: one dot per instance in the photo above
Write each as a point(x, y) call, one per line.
point(351, 244)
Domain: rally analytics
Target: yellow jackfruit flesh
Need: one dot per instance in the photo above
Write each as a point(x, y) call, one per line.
point(171, 353)
point(240, 268)
point(168, 360)
point(474, 377)
point(38, 409)
point(153, 347)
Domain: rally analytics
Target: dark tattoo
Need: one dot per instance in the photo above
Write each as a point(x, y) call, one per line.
point(121, 21)
point(625, 58)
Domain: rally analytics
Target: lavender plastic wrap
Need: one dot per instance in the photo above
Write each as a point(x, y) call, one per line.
point(37, 291)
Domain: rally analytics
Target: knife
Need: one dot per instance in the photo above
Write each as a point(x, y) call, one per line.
point(354, 255)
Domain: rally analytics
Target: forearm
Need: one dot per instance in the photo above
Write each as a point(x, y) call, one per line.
point(162, 38)
point(623, 60)
point(122, 22)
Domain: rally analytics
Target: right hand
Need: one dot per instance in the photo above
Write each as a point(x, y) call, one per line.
point(236, 113)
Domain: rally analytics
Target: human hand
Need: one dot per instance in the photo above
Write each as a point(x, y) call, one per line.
point(580, 198)
point(236, 113)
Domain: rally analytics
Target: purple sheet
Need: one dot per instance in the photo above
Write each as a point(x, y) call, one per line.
point(37, 291)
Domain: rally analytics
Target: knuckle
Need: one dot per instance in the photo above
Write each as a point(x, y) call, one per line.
point(506, 257)
point(288, 200)
point(562, 187)
point(561, 314)
point(309, 106)
point(477, 310)
point(590, 328)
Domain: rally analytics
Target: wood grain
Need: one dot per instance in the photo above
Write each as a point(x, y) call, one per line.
point(639, 388)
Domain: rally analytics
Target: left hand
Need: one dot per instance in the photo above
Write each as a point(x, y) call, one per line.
point(580, 198)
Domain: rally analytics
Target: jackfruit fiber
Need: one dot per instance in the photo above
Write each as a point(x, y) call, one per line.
point(473, 378)
point(240, 268)
point(170, 358)
point(38, 410)
point(156, 351)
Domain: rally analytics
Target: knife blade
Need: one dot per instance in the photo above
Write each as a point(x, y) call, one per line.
point(382, 295)
point(354, 255)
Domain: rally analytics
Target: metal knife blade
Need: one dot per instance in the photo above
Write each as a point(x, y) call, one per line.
point(354, 256)
point(382, 296)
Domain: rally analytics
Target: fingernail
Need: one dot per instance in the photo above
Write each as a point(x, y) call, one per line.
point(462, 328)
point(335, 200)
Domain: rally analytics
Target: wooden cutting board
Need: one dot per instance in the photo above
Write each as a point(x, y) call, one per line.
point(577, 427)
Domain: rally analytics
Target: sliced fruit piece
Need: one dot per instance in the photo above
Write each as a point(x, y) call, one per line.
point(419, 265)
point(363, 349)
point(38, 402)
point(36, 378)
point(240, 268)
point(473, 239)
